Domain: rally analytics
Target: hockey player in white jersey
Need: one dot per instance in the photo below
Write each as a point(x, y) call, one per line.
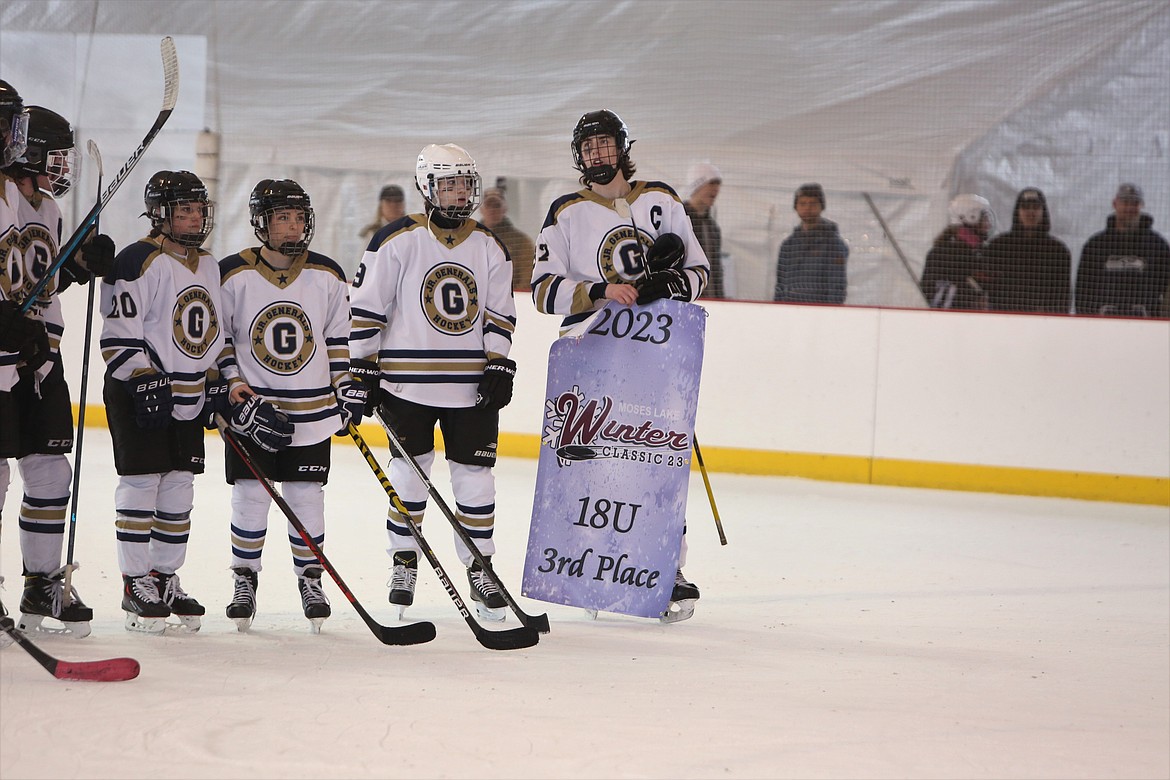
point(160, 338)
point(286, 316)
point(616, 239)
point(433, 317)
point(36, 418)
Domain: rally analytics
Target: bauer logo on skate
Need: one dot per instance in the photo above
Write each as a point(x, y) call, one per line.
point(282, 338)
point(194, 323)
point(450, 298)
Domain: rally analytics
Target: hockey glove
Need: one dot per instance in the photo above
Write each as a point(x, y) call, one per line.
point(495, 389)
point(23, 335)
point(666, 252)
point(215, 401)
point(152, 400)
point(370, 375)
point(97, 254)
point(671, 284)
point(263, 423)
point(352, 397)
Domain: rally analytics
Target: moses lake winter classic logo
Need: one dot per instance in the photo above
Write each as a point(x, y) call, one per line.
point(581, 429)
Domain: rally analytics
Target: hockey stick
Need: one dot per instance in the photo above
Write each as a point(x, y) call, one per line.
point(622, 207)
point(170, 60)
point(538, 622)
point(512, 639)
point(894, 243)
point(411, 634)
point(70, 564)
point(109, 670)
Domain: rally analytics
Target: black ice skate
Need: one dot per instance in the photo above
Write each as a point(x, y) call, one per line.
point(146, 612)
point(682, 600)
point(489, 602)
point(403, 577)
point(189, 611)
point(243, 606)
point(313, 598)
point(44, 597)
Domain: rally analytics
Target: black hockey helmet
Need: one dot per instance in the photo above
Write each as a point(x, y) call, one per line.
point(603, 122)
point(272, 195)
point(50, 149)
point(167, 189)
point(13, 125)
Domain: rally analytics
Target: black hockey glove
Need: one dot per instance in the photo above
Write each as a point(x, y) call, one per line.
point(97, 254)
point(666, 252)
point(23, 335)
point(263, 423)
point(495, 389)
point(370, 375)
point(352, 397)
point(664, 284)
point(215, 401)
point(152, 400)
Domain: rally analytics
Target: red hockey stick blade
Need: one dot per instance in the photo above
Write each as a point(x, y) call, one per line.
point(110, 670)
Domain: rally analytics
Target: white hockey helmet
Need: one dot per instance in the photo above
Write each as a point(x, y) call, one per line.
point(442, 161)
point(970, 210)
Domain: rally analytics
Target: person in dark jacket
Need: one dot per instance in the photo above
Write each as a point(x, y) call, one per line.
point(811, 265)
point(704, 183)
point(955, 274)
point(1028, 268)
point(1125, 268)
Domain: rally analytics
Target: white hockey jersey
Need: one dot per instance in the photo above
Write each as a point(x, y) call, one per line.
point(28, 245)
point(162, 313)
point(432, 306)
point(585, 241)
point(288, 337)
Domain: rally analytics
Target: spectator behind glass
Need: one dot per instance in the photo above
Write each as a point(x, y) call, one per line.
point(811, 264)
point(1028, 268)
point(955, 274)
point(703, 185)
point(1124, 269)
point(391, 206)
point(493, 214)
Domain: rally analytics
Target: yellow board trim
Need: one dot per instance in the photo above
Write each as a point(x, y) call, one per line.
point(1084, 485)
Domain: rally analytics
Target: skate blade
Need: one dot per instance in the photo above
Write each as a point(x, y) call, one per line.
point(138, 624)
point(315, 625)
point(678, 611)
point(242, 624)
point(188, 624)
point(33, 624)
point(591, 614)
point(493, 614)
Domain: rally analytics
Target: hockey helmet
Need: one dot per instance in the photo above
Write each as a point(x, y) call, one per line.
point(272, 195)
point(970, 210)
point(50, 151)
point(167, 189)
point(13, 125)
point(603, 122)
point(447, 161)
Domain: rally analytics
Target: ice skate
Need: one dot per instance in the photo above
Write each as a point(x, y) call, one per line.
point(146, 612)
point(682, 600)
point(489, 602)
point(5, 639)
point(44, 597)
point(313, 599)
point(403, 577)
point(189, 611)
point(243, 606)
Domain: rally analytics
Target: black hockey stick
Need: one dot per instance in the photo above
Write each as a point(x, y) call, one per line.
point(512, 639)
point(109, 670)
point(70, 564)
point(410, 634)
point(538, 622)
point(170, 60)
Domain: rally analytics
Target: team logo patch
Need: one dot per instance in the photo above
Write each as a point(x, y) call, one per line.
point(282, 338)
point(619, 258)
point(450, 299)
point(34, 243)
point(194, 323)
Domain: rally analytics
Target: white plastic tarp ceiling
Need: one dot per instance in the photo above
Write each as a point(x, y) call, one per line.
point(910, 102)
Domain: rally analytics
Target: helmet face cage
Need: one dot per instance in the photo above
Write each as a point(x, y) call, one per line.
point(13, 125)
point(271, 196)
point(168, 189)
point(602, 122)
point(440, 163)
point(51, 152)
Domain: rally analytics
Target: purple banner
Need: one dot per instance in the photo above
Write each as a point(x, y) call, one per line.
point(611, 484)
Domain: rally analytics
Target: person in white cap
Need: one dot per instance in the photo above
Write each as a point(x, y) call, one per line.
point(1124, 269)
point(703, 183)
